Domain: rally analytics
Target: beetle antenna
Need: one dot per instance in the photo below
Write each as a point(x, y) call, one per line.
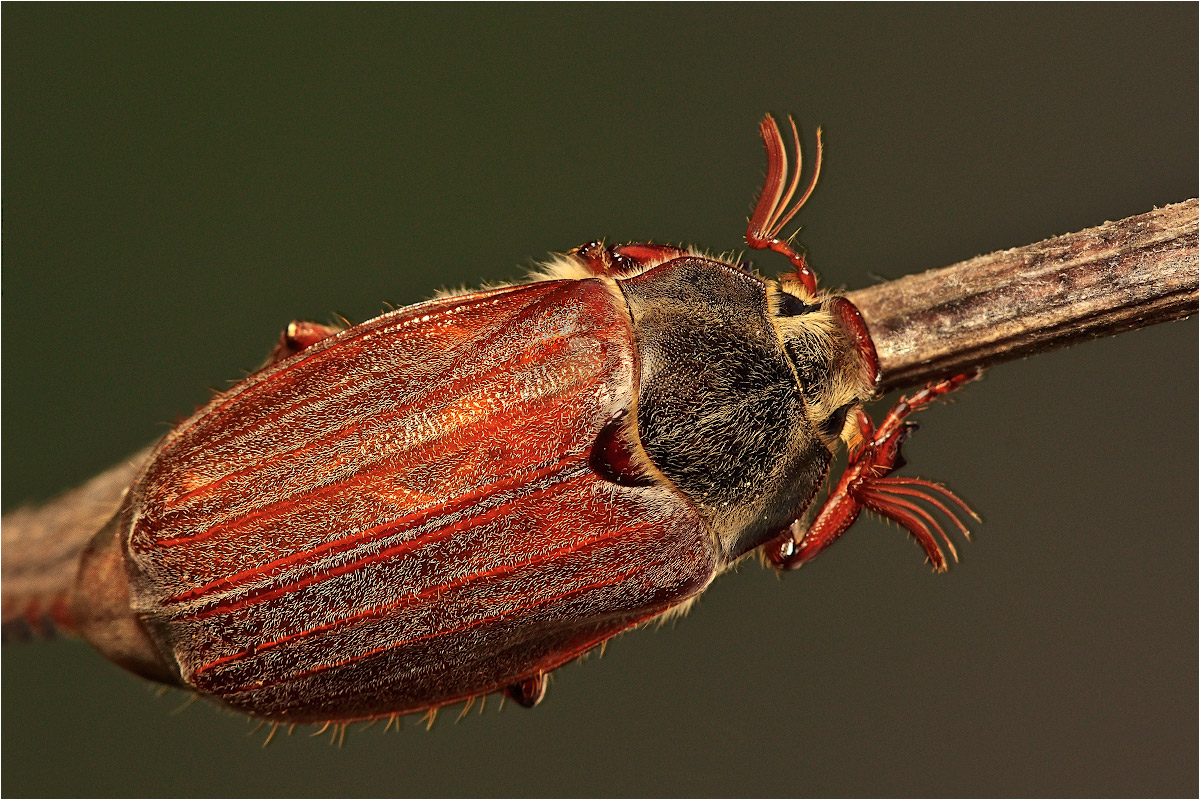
point(889, 504)
point(782, 200)
point(772, 212)
point(778, 224)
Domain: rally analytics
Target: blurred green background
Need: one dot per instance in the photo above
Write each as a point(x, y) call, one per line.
point(180, 181)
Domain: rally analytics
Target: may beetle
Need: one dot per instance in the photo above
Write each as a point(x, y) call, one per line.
point(460, 496)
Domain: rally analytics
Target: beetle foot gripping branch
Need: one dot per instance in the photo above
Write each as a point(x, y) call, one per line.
point(867, 484)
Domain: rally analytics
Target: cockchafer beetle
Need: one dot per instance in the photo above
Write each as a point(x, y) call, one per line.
point(460, 496)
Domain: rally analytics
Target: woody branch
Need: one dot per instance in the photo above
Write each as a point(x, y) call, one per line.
point(1104, 280)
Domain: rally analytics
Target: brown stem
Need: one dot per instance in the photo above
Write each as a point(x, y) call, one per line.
point(1116, 277)
point(42, 545)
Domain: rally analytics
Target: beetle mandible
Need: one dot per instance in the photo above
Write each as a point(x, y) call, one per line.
point(458, 497)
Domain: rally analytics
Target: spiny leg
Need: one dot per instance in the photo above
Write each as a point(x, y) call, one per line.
point(866, 484)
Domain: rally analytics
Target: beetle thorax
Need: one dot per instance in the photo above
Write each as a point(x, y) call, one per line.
point(721, 410)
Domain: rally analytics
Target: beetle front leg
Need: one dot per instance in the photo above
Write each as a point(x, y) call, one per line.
point(866, 484)
point(297, 336)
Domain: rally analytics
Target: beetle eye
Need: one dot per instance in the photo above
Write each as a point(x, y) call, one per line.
point(837, 420)
point(792, 306)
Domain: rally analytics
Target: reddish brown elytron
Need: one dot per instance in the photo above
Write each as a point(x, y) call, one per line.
point(460, 496)
point(319, 574)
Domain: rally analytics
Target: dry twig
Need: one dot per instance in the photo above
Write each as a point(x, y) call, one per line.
point(1100, 281)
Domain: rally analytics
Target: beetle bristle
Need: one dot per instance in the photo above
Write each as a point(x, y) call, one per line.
point(466, 707)
point(674, 613)
point(191, 698)
point(558, 267)
point(456, 291)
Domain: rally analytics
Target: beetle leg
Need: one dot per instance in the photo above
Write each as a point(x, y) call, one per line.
point(637, 257)
point(530, 691)
point(296, 337)
point(866, 483)
point(771, 214)
point(625, 260)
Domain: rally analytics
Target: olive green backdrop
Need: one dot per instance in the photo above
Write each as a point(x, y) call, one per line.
point(181, 181)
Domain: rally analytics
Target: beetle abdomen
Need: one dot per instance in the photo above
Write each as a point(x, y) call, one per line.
point(405, 514)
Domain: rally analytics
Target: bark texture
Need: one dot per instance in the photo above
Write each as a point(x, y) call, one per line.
point(1006, 305)
point(42, 546)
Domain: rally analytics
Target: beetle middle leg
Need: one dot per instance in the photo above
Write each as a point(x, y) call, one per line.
point(624, 260)
point(866, 483)
point(297, 336)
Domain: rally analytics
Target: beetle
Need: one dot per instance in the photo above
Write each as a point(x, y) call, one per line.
point(458, 497)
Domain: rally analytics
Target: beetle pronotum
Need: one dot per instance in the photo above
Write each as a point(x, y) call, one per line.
point(460, 496)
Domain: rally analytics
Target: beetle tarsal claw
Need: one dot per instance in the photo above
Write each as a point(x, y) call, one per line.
point(888, 498)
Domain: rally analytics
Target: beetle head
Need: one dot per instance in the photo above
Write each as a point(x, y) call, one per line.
point(826, 344)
